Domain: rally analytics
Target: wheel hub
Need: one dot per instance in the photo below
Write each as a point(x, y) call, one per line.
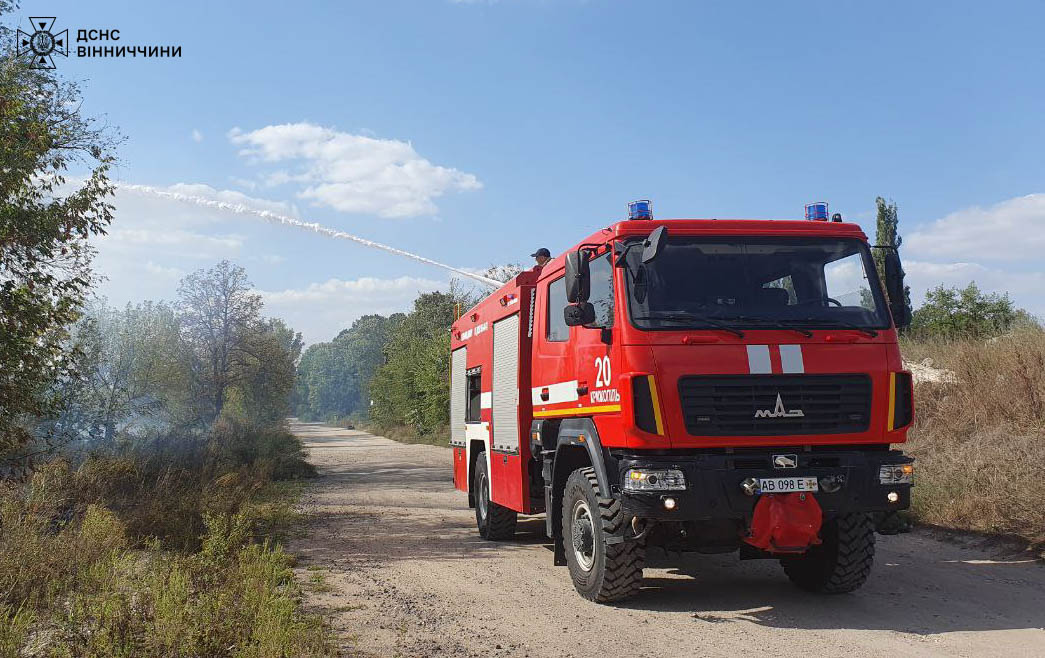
point(583, 539)
point(484, 496)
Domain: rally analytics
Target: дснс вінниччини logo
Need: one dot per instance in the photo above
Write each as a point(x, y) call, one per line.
point(41, 44)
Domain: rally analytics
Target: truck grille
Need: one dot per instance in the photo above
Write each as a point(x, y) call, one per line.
point(747, 405)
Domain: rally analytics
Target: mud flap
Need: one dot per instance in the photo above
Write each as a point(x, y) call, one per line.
point(785, 523)
point(559, 556)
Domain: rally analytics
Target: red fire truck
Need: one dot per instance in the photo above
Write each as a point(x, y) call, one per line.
point(694, 384)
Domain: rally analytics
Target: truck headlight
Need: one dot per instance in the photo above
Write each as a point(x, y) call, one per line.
point(896, 474)
point(654, 479)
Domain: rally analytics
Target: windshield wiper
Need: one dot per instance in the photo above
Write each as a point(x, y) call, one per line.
point(746, 318)
point(839, 324)
point(692, 317)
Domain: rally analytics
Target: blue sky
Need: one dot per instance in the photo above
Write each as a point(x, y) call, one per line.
point(473, 132)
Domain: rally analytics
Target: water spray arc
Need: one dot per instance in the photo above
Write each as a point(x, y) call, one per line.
point(276, 218)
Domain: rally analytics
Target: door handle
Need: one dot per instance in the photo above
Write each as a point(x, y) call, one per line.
point(544, 394)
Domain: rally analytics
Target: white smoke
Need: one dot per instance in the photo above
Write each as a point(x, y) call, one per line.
point(275, 218)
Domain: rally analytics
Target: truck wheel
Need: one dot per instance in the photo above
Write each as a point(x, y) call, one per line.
point(494, 521)
point(842, 562)
point(601, 571)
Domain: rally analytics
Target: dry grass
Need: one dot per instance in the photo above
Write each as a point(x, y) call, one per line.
point(980, 442)
point(90, 564)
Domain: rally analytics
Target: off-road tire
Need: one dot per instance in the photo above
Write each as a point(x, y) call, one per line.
point(494, 521)
point(615, 572)
point(842, 562)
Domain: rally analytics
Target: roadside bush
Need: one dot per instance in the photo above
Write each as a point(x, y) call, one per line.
point(980, 441)
point(967, 313)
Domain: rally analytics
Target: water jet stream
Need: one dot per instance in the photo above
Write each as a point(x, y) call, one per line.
point(276, 218)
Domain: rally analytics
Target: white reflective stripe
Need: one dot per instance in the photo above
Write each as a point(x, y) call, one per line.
point(561, 392)
point(478, 432)
point(758, 360)
point(791, 359)
point(486, 400)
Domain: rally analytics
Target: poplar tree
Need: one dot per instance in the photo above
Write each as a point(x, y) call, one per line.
point(887, 235)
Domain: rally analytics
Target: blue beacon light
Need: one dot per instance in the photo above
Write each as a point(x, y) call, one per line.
point(642, 209)
point(817, 211)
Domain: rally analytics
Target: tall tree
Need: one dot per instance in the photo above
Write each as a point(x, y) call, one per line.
point(263, 372)
point(219, 312)
point(887, 235)
point(45, 220)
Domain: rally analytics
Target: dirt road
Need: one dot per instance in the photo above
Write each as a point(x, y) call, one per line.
point(405, 574)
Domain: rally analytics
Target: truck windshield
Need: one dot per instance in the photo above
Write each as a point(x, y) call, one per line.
point(756, 283)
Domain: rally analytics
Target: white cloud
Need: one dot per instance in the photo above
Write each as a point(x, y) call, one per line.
point(352, 173)
point(197, 136)
point(186, 243)
point(1007, 231)
point(999, 247)
point(172, 273)
point(321, 310)
point(245, 183)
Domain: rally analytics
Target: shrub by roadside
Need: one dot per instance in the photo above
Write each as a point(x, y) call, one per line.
point(137, 553)
point(980, 441)
point(408, 434)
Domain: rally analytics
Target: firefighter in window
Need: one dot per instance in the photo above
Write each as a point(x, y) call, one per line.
point(542, 256)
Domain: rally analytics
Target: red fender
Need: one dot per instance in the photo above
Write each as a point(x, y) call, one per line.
point(785, 523)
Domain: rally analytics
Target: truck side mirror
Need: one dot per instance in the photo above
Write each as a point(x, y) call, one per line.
point(578, 278)
point(654, 244)
point(579, 314)
point(894, 287)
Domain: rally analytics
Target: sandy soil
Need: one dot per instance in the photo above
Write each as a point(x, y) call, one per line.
point(404, 574)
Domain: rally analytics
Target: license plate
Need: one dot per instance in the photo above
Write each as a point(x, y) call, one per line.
point(787, 485)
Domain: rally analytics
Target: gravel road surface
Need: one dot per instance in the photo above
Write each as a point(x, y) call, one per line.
point(392, 554)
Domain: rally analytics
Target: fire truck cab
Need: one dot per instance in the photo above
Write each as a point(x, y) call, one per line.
point(695, 384)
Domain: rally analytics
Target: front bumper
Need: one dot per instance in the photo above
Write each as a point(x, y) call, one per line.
point(714, 481)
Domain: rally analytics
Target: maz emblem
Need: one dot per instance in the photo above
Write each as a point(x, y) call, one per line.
point(778, 411)
point(785, 461)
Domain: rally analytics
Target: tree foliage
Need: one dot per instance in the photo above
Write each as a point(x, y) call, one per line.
point(45, 221)
point(412, 387)
point(966, 312)
point(220, 315)
point(334, 378)
point(131, 368)
point(141, 373)
point(392, 370)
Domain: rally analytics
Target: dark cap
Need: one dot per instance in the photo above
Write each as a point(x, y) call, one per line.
point(541, 252)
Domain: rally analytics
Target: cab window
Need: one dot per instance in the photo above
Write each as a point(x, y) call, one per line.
point(556, 330)
point(601, 296)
